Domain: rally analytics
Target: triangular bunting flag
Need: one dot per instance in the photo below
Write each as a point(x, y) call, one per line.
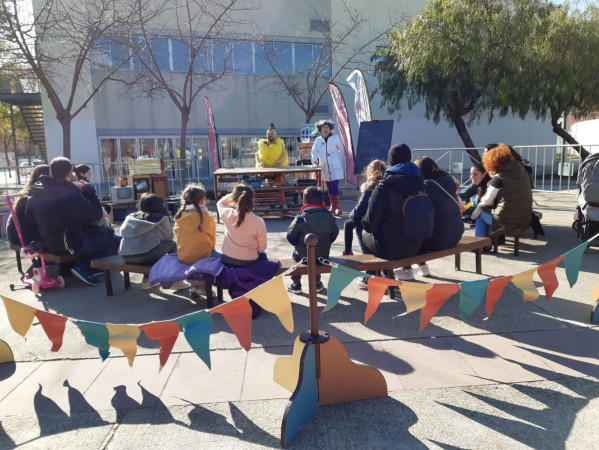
point(273, 297)
point(414, 295)
point(471, 295)
point(124, 337)
point(166, 333)
point(341, 276)
point(435, 299)
point(19, 315)
point(547, 274)
point(494, 291)
point(95, 334)
point(572, 260)
point(196, 328)
point(53, 325)
point(525, 283)
point(238, 314)
point(376, 289)
point(595, 294)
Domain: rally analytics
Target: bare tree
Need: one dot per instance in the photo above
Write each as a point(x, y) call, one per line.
point(200, 35)
point(57, 42)
point(339, 48)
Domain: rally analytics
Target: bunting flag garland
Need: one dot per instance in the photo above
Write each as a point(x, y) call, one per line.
point(572, 260)
point(471, 295)
point(595, 293)
point(196, 329)
point(124, 337)
point(268, 296)
point(54, 326)
point(376, 289)
point(95, 334)
point(19, 315)
point(235, 314)
point(166, 333)
point(525, 283)
point(435, 299)
point(547, 274)
point(341, 276)
point(414, 295)
point(494, 292)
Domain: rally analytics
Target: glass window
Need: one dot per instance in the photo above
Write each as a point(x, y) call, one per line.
point(119, 54)
point(160, 50)
point(165, 148)
point(230, 152)
point(283, 58)
point(100, 54)
point(180, 55)
point(110, 159)
point(221, 55)
point(147, 147)
point(249, 147)
point(291, 147)
point(128, 151)
point(242, 57)
point(303, 58)
point(201, 154)
point(203, 60)
point(142, 56)
point(263, 53)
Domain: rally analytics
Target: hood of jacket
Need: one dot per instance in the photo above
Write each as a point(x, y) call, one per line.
point(405, 184)
point(190, 220)
point(511, 169)
point(52, 187)
point(317, 218)
point(135, 227)
point(447, 182)
point(404, 168)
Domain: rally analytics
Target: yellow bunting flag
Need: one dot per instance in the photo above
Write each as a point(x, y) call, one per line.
point(124, 337)
point(273, 297)
point(414, 295)
point(376, 289)
point(547, 274)
point(524, 282)
point(20, 316)
point(595, 294)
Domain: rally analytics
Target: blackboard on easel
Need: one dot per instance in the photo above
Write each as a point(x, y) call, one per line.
point(374, 141)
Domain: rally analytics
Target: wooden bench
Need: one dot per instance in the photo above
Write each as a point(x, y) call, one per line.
point(59, 259)
point(516, 233)
point(118, 264)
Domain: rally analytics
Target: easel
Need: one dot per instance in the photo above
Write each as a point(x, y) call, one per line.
point(319, 371)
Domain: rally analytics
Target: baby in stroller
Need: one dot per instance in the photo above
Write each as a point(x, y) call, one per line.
point(586, 217)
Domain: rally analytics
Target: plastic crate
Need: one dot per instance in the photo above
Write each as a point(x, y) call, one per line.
point(143, 166)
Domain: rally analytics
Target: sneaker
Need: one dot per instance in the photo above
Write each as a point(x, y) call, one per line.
point(145, 284)
point(423, 271)
point(319, 286)
point(96, 272)
point(362, 283)
point(179, 285)
point(85, 276)
point(295, 288)
point(404, 274)
point(350, 253)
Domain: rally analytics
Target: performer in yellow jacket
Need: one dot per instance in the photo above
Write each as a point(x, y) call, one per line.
point(272, 153)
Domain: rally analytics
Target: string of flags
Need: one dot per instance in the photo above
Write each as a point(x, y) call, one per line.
point(274, 298)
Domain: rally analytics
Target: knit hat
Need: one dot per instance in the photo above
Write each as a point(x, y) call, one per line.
point(399, 153)
point(272, 128)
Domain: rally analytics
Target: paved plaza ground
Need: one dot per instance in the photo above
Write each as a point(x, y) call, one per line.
point(524, 378)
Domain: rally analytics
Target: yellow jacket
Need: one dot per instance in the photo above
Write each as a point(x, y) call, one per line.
point(271, 154)
point(193, 243)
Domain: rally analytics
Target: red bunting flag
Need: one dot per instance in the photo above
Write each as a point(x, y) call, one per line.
point(54, 326)
point(435, 299)
point(238, 314)
point(376, 289)
point(166, 333)
point(547, 274)
point(494, 292)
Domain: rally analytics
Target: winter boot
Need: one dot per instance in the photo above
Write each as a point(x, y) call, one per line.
point(335, 210)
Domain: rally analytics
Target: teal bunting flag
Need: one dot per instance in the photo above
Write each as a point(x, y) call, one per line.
point(196, 328)
point(471, 295)
point(341, 276)
point(95, 334)
point(572, 260)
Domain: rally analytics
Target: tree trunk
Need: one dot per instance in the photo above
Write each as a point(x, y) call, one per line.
point(65, 123)
point(183, 137)
point(557, 129)
point(460, 125)
point(7, 160)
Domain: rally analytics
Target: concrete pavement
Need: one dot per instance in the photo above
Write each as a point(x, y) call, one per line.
point(525, 377)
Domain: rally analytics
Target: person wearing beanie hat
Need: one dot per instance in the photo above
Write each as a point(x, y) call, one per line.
point(328, 152)
point(272, 153)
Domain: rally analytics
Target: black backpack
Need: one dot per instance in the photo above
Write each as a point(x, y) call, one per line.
point(418, 217)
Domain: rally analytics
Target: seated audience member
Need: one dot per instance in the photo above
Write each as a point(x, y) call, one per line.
point(441, 189)
point(313, 218)
point(147, 235)
point(64, 217)
point(383, 222)
point(83, 172)
point(507, 204)
point(480, 178)
point(28, 229)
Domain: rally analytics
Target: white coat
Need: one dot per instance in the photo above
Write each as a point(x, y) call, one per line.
point(329, 155)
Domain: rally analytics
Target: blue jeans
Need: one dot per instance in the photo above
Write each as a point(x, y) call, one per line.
point(95, 247)
point(333, 187)
point(482, 224)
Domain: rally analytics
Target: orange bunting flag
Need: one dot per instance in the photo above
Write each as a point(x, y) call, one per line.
point(376, 289)
point(238, 314)
point(525, 283)
point(414, 295)
point(166, 333)
point(19, 315)
point(435, 299)
point(494, 292)
point(595, 294)
point(273, 297)
point(124, 337)
point(53, 325)
point(547, 274)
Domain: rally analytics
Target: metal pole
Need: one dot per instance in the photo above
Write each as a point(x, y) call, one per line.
point(14, 143)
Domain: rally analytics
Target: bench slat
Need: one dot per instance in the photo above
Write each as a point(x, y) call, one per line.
point(117, 263)
point(50, 256)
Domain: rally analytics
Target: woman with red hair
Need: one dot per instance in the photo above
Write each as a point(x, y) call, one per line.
point(507, 204)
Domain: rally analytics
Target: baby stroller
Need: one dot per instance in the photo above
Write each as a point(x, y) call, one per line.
point(39, 279)
point(586, 218)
